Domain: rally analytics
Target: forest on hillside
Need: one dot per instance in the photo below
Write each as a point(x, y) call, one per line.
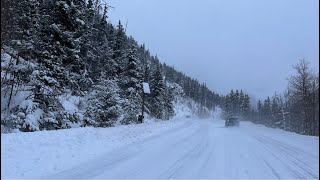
point(50, 48)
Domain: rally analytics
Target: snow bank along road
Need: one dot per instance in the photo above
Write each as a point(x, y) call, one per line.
point(204, 149)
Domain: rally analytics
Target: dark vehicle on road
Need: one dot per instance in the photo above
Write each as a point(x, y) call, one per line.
point(232, 121)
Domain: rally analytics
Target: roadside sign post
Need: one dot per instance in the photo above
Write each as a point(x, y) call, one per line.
point(146, 90)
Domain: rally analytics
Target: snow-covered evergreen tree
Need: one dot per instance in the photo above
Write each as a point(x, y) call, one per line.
point(158, 89)
point(133, 72)
point(119, 48)
point(246, 106)
point(132, 86)
point(104, 104)
point(168, 103)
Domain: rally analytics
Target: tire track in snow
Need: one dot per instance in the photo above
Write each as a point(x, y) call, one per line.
point(101, 164)
point(257, 156)
point(286, 150)
point(176, 144)
point(193, 150)
point(173, 170)
point(278, 157)
point(210, 154)
point(292, 158)
point(273, 170)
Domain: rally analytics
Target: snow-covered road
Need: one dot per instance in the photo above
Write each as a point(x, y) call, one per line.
point(206, 149)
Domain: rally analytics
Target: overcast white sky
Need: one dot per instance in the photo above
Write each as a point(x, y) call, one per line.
point(229, 44)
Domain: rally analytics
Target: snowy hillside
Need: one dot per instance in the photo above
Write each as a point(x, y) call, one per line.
point(31, 105)
point(64, 65)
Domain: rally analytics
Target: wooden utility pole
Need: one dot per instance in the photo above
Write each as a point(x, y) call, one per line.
point(145, 89)
point(142, 108)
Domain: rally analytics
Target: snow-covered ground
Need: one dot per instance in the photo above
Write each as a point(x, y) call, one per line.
point(34, 154)
point(179, 148)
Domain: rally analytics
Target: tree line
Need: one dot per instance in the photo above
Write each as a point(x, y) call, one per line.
point(236, 103)
point(295, 110)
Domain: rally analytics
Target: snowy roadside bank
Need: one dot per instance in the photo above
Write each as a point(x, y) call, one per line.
point(32, 155)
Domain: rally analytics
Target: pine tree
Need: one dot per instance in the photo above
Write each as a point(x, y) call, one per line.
point(132, 86)
point(119, 49)
point(88, 44)
point(267, 111)
point(275, 110)
point(233, 102)
point(133, 72)
point(132, 105)
point(241, 103)
point(168, 103)
point(260, 111)
point(100, 54)
point(237, 102)
point(104, 104)
point(228, 106)
point(246, 105)
point(157, 88)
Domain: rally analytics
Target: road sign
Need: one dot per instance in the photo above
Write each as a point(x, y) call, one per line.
point(146, 88)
